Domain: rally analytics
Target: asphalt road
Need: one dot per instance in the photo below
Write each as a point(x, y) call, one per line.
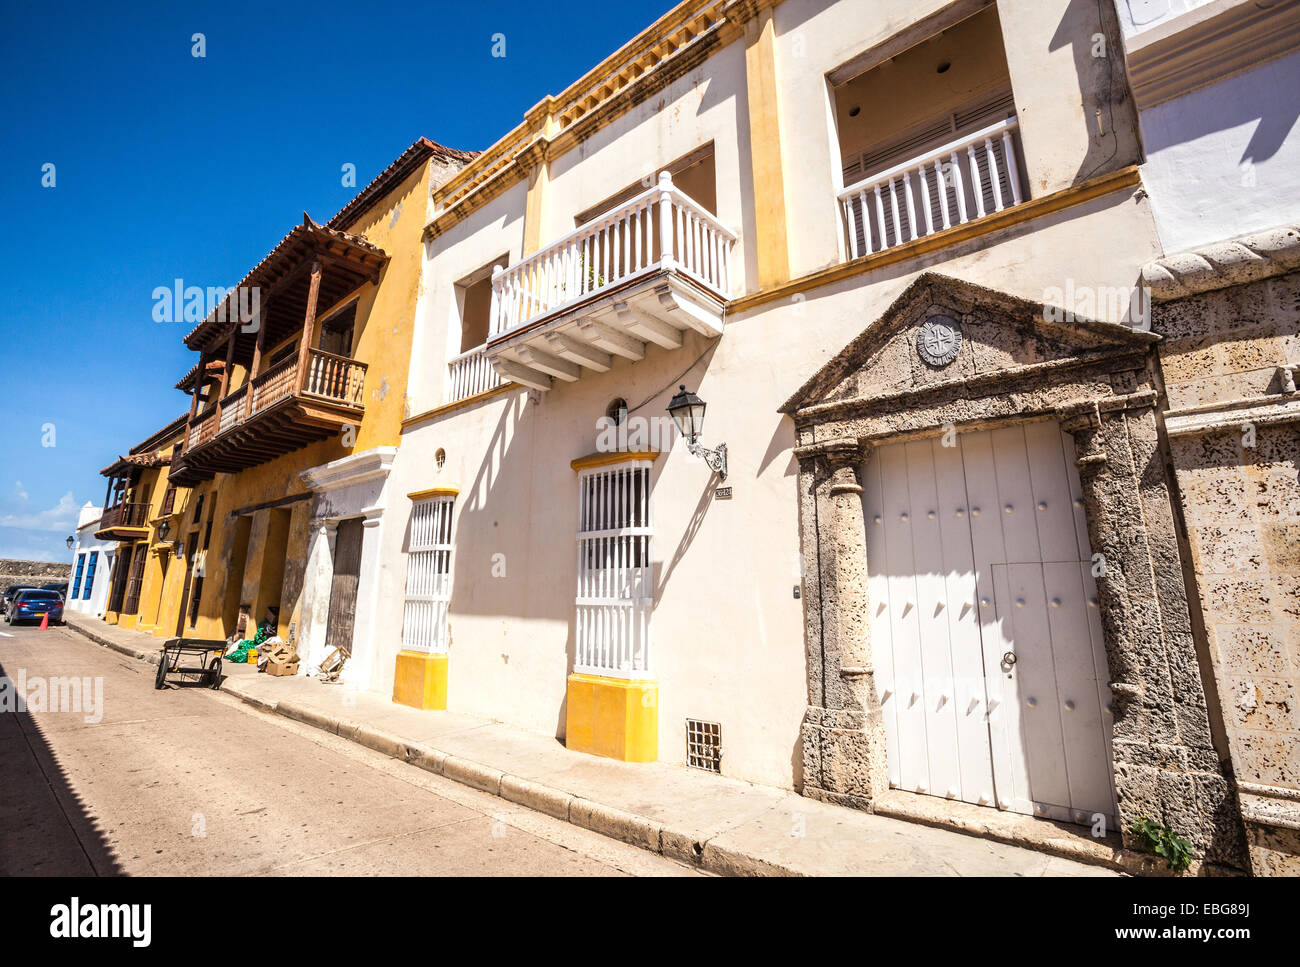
point(188, 781)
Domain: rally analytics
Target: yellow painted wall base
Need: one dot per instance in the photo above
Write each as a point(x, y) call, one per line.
point(420, 680)
point(612, 717)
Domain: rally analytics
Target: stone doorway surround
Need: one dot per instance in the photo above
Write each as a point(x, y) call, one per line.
point(354, 486)
point(1010, 365)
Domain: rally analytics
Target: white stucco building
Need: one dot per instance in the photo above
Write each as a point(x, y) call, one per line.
point(92, 565)
point(891, 244)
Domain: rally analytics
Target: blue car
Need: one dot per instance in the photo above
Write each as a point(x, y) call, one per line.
point(33, 605)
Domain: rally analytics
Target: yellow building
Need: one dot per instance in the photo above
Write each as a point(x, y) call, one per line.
point(138, 511)
point(302, 368)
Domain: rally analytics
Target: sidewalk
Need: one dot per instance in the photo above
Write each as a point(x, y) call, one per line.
point(722, 825)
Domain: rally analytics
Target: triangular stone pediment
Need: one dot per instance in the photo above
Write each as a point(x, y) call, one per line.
point(994, 333)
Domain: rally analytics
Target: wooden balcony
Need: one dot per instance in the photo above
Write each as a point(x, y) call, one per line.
point(647, 272)
point(124, 522)
point(285, 408)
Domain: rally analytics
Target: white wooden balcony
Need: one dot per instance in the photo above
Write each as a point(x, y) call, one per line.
point(648, 272)
point(964, 180)
point(470, 374)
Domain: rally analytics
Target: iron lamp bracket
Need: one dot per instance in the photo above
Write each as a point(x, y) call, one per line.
point(716, 459)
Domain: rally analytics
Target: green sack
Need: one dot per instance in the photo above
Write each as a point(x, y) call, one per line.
point(265, 630)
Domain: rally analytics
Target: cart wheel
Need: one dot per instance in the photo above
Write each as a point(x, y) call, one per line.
point(214, 673)
point(161, 678)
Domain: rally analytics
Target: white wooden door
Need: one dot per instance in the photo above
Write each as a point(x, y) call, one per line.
point(984, 625)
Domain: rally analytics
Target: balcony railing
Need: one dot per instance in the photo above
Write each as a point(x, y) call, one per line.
point(232, 409)
point(658, 230)
point(202, 429)
point(469, 374)
point(962, 181)
point(275, 384)
point(336, 379)
point(124, 515)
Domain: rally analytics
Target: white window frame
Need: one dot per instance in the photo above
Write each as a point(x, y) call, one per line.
point(615, 593)
point(428, 576)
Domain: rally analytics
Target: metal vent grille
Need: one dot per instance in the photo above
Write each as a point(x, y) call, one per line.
point(704, 745)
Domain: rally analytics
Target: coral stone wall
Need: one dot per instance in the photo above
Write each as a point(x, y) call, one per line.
point(1239, 480)
point(32, 572)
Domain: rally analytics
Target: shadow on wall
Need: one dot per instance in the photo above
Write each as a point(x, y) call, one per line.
point(1108, 109)
point(511, 572)
point(492, 570)
point(47, 830)
point(1264, 95)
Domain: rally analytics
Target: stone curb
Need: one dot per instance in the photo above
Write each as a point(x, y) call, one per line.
point(151, 657)
point(684, 847)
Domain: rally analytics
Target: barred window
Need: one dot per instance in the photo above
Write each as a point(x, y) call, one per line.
point(428, 576)
point(615, 578)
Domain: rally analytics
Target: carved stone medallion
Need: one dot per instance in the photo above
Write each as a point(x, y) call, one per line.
point(938, 340)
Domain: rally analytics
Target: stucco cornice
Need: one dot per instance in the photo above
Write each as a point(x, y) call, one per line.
point(671, 47)
point(1208, 44)
point(1248, 258)
point(349, 471)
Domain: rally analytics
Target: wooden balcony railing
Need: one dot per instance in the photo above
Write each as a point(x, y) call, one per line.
point(203, 429)
point(124, 515)
point(232, 409)
point(275, 384)
point(335, 378)
point(962, 181)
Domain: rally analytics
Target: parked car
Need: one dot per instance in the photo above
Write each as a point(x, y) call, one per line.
point(60, 586)
point(7, 598)
point(34, 604)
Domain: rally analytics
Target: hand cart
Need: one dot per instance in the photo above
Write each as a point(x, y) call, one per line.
point(175, 650)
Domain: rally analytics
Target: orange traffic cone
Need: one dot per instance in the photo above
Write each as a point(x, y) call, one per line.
point(45, 621)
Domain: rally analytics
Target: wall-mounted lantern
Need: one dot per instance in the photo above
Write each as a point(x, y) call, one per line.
point(71, 540)
point(687, 411)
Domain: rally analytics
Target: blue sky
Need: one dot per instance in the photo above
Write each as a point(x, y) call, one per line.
point(170, 166)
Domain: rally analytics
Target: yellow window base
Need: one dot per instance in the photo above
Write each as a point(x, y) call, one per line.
point(420, 680)
point(612, 717)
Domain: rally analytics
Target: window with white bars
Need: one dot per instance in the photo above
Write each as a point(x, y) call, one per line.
point(428, 576)
point(615, 577)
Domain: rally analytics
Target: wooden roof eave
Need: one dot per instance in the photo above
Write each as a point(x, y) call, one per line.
point(282, 266)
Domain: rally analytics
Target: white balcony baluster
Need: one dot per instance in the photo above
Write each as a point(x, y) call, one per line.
point(613, 249)
point(469, 374)
point(962, 191)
